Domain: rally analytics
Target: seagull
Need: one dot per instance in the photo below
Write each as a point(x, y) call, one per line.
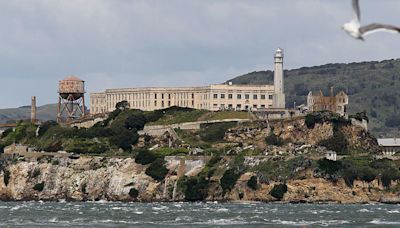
point(354, 29)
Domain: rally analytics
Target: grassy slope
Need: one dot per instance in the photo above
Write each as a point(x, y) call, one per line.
point(372, 86)
point(45, 112)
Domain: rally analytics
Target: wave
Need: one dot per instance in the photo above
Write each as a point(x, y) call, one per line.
point(384, 222)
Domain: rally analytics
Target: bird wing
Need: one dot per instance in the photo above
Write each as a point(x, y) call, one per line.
point(356, 11)
point(372, 28)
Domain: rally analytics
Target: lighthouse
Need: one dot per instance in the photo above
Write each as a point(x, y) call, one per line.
point(278, 100)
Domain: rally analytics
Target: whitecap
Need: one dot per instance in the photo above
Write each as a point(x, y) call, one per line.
point(383, 222)
point(393, 211)
point(364, 210)
point(138, 212)
point(159, 208)
point(183, 218)
point(53, 220)
point(222, 210)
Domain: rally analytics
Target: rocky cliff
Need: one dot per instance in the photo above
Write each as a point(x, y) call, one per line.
point(113, 178)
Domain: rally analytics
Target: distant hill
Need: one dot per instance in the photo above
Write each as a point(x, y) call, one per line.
point(372, 86)
point(45, 112)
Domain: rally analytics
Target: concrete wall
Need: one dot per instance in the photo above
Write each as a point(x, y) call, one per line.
point(158, 130)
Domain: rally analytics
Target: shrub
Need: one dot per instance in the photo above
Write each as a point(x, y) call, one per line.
point(388, 176)
point(367, 174)
point(337, 142)
point(215, 132)
point(273, 139)
point(195, 188)
point(124, 138)
point(133, 192)
point(7, 176)
point(157, 170)
point(310, 121)
point(39, 187)
point(252, 183)
point(85, 146)
point(329, 167)
point(229, 179)
point(6, 132)
point(145, 157)
point(349, 176)
point(46, 126)
point(278, 191)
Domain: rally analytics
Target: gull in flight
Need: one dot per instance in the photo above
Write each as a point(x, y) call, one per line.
point(354, 29)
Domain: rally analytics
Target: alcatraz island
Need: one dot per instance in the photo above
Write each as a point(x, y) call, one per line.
point(223, 142)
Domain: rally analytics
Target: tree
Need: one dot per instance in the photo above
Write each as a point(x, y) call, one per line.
point(229, 179)
point(157, 170)
point(252, 183)
point(135, 121)
point(122, 105)
point(278, 191)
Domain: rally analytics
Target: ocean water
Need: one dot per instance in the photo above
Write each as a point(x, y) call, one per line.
point(118, 214)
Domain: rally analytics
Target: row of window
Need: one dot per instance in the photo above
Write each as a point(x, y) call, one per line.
point(239, 106)
point(239, 96)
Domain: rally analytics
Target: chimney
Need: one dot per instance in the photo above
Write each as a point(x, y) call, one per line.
point(33, 109)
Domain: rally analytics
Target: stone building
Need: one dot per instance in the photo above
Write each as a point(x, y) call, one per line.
point(213, 97)
point(334, 103)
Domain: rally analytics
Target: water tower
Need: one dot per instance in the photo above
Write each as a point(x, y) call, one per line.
point(71, 99)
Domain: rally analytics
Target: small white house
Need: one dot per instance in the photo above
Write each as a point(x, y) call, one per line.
point(331, 155)
point(389, 146)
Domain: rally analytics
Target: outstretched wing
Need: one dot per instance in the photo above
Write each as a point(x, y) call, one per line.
point(371, 28)
point(356, 11)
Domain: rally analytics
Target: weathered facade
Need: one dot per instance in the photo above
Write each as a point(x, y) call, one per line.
point(213, 97)
point(334, 103)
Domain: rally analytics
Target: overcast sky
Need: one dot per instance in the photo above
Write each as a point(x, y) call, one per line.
point(129, 43)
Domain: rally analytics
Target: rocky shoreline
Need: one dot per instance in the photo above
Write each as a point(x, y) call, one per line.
point(112, 179)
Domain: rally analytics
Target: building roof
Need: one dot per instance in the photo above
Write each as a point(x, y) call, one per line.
point(389, 142)
point(72, 78)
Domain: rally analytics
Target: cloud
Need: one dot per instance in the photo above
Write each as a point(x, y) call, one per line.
point(122, 43)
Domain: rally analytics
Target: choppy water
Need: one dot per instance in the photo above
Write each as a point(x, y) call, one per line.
point(110, 214)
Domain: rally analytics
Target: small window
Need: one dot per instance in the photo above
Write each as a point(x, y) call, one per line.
point(246, 96)
point(262, 106)
point(255, 97)
point(169, 97)
point(155, 96)
point(254, 106)
point(222, 96)
point(270, 97)
point(239, 96)
point(230, 96)
point(262, 97)
point(215, 105)
point(192, 95)
point(215, 96)
point(162, 97)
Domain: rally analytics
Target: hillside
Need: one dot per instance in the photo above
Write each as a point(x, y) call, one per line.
point(45, 112)
point(372, 86)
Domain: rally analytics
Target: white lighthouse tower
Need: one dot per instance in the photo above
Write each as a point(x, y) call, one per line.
point(278, 100)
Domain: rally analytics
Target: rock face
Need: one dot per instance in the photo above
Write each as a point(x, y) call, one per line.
point(112, 179)
point(77, 179)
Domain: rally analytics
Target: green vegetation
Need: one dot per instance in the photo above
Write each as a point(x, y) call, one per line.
point(39, 187)
point(363, 168)
point(118, 131)
point(273, 139)
point(134, 193)
point(157, 170)
point(215, 132)
point(371, 86)
point(7, 176)
point(338, 142)
point(195, 188)
point(278, 191)
point(145, 157)
point(179, 115)
point(229, 179)
point(253, 183)
point(221, 115)
point(280, 169)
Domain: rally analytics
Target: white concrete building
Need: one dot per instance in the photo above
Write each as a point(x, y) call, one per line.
point(389, 146)
point(213, 97)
